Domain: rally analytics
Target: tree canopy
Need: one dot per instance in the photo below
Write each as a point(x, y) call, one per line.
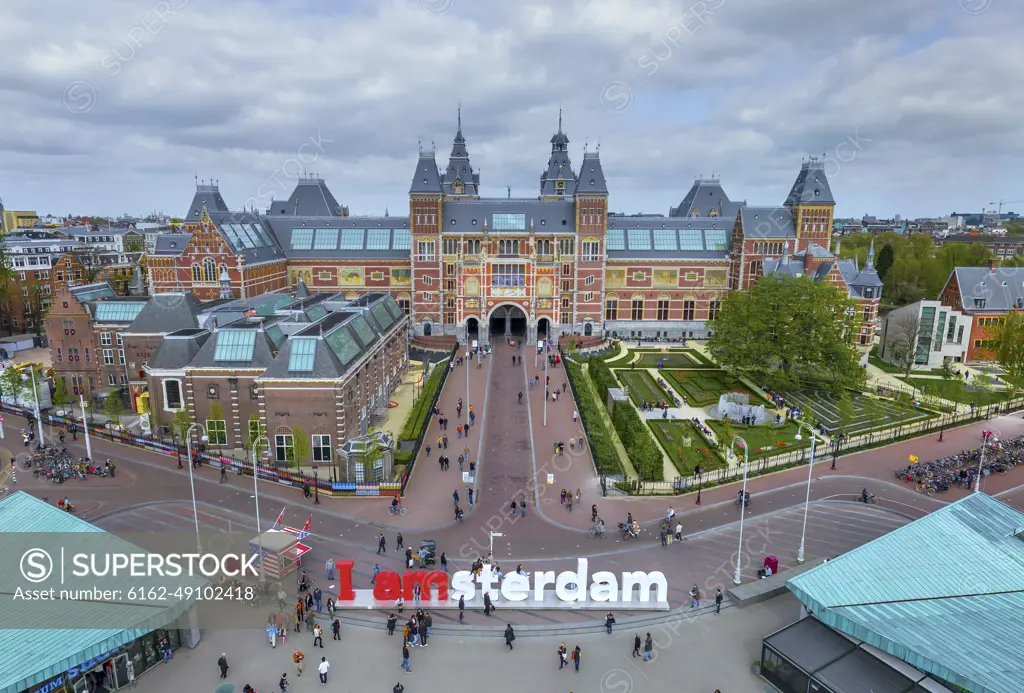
point(785, 331)
point(1008, 349)
point(918, 269)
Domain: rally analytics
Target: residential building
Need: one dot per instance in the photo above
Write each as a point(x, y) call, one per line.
point(986, 295)
point(464, 266)
point(1003, 247)
point(927, 333)
point(11, 220)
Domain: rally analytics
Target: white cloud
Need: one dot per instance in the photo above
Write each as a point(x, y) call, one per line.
point(116, 104)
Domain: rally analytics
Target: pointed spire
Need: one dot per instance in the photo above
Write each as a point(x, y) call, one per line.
point(559, 118)
point(871, 255)
point(785, 253)
point(460, 120)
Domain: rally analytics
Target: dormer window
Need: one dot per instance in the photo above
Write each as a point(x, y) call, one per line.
point(714, 213)
point(560, 187)
point(979, 303)
point(457, 187)
point(695, 213)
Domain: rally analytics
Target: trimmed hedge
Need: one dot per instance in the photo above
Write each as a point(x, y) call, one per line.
point(640, 445)
point(602, 376)
point(416, 424)
point(606, 457)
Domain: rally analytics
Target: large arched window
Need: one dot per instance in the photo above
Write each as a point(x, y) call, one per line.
point(209, 270)
point(197, 275)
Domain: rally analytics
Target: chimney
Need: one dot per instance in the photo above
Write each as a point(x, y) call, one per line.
point(992, 266)
point(838, 241)
point(808, 260)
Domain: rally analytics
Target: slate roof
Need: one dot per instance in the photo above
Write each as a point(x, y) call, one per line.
point(1000, 291)
point(459, 168)
point(811, 185)
point(167, 312)
point(767, 222)
point(311, 198)
point(171, 243)
point(706, 195)
point(559, 166)
point(177, 349)
point(469, 216)
point(944, 593)
point(590, 180)
point(425, 178)
point(53, 650)
point(207, 195)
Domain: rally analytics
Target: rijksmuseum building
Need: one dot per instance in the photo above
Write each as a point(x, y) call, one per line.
point(466, 266)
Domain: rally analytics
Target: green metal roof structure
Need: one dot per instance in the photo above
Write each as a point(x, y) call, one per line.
point(30, 655)
point(944, 593)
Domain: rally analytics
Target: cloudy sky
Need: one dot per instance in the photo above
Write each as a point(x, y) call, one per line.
point(114, 106)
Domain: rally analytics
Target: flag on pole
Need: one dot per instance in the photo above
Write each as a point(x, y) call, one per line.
point(305, 527)
point(280, 518)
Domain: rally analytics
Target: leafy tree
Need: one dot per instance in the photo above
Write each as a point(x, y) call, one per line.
point(885, 259)
point(1008, 349)
point(300, 447)
point(181, 422)
point(61, 397)
point(12, 383)
point(35, 310)
point(113, 407)
point(784, 331)
point(844, 410)
point(256, 430)
point(89, 261)
point(1015, 261)
point(902, 340)
point(1014, 228)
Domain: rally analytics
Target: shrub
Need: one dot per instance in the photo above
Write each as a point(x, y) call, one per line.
point(416, 424)
point(640, 445)
point(606, 457)
point(602, 376)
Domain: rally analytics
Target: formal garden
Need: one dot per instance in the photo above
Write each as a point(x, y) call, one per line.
point(854, 412)
point(642, 387)
point(649, 358)
point(764, 440)
point(703, 388)
point(686, 446)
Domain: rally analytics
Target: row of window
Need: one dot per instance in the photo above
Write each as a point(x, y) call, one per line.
point(425, 250)
point(637, 312)
point(985, 322)
point(208, 272)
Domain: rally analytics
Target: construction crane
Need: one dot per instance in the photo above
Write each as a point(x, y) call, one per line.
point(999, 209)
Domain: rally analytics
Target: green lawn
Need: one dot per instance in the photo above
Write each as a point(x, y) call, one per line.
point(964, 393)
point(884, 365)
point(676, 358)
point(763, 440)
point(642, 387)
point(671, 434)
point(702, 388)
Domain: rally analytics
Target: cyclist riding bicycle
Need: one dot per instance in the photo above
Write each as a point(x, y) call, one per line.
point(395, 502)
point(864, 495)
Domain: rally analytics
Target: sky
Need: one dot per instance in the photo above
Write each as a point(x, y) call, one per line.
point(116, 106)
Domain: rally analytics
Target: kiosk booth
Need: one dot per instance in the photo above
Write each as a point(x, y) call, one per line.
point(282, 551)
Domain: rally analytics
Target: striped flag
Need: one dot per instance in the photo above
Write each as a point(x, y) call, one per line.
point(280, 518)
point(305, 527)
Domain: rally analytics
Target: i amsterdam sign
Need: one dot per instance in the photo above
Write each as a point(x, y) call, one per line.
point(571, 589)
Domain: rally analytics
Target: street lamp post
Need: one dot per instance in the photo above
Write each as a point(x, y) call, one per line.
point(491, 549)
point(256, 495)
point(985, 436)
point(191, 480)
point(810, 472)
point(35, 395)
point(468, 361)
point(85, 428)
point(737, 579)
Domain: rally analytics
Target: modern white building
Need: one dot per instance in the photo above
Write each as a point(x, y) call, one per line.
point(927, 332)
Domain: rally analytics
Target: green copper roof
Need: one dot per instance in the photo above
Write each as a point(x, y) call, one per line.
point(944, 593)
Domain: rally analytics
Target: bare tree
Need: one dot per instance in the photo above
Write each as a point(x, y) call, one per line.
point(901, 339)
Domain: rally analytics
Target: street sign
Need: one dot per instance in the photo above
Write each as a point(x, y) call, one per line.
point(551, 479)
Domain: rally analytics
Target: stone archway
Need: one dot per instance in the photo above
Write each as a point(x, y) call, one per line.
point(588, 329)
point(427, 329)
point(509, 320)
point(472, 329)
point(543, 328)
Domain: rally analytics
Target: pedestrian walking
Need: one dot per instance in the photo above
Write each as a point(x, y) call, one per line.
point(405, 658)
point(718, 601)
point(469, 492)
point(563, 656)
point(520, 396)
point(400, 542)
point(694, 597)
point(636, 645)
point(609, 621)
point(283, 684)
point(223, 664)
point(648, 648)
point(392, 622)
point(421, 627)
point(323, 669)
point(376, 569)
point(336, 629)
point(455, 493)
point(510, 635)
point(318, 598)
point(488, 606)
point(577, 656)
point(318, 636)
point(462, 608)
point(576, 415)
point(298, 658)
point(399, 688)
point(329, 568)
point(444, 562)
point(381, 544)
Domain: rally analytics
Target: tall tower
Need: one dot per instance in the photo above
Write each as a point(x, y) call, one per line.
point(558, 181)
point(426, 207)
point(591, 214)
point(459, 178)
point(811, 203)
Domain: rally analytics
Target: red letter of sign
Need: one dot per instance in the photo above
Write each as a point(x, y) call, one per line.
point(388, 586)
point(345, 591)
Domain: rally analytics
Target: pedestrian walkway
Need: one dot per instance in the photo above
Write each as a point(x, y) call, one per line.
point(720, 649)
